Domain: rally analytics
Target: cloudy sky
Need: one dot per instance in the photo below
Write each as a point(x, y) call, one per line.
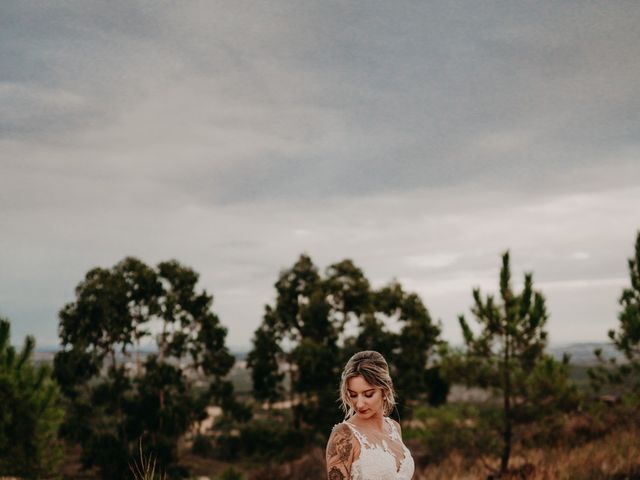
point(420, 139)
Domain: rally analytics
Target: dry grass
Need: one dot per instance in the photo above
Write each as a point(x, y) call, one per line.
point(615, 456)
point(608, 449)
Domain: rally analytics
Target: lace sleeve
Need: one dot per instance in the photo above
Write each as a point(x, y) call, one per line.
point(396, 431)
point(340, 451)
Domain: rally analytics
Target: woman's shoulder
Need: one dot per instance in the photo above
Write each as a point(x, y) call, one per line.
point(342, 429)
point(342, 441)
point(344, 432)
point(394, 423)
point(342, 448)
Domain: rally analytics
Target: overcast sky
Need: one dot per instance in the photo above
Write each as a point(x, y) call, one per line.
point(420, 139)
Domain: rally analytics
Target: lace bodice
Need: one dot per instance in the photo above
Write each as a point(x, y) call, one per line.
point(388, 459)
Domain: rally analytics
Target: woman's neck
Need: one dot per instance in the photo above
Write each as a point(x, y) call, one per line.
point(376, 421)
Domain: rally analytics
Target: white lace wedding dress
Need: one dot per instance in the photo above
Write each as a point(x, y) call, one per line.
point(383, 458)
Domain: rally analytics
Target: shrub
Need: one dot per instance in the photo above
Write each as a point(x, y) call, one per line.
point(202, 445)
point(468, 429)
point(262, 440)
point(230, 474)
point(30, 412)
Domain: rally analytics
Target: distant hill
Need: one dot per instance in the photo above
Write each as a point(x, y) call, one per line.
point(47, 352)
point(582, 353)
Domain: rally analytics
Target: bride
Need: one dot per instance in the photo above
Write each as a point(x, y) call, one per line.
point(367, 445)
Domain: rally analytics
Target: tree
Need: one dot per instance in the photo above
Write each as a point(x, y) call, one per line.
point(310, 324)
point(264, 361)
point(627, 338)
point(416, 341)
point(309, 316)
point(358, 304)
point(508, 356)
point(30, 412)
point(116, 398)
point(323, 320)
point(372, 335)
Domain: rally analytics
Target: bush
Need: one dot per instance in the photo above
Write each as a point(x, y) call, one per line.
point(30, 412)
point(261, 440)
point(227, 447)
point(230, 474)
point(468, 429)
point(202, 445)
point(272, 441)
point(310, 465)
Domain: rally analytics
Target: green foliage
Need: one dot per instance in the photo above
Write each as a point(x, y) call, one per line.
point(202, 445)
point(230, 473)
point(467, 429)
point(30, 412)
point(314, 316)
point(548, 390)
point(261, 440)
point(507, 355)
point(415, 345)
point(438, 386)
point(372, 335)
point(115, 397)
point(309, 318)
point(263, 361)
point(626, 339)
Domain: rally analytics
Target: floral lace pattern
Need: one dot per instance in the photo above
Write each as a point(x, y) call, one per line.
point(377, 461)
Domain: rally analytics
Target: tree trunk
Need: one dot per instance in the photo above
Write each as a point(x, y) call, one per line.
point(506, 434)
point(506, 437)
point(296, 414)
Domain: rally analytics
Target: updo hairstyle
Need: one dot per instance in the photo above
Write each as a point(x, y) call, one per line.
point(371, 366)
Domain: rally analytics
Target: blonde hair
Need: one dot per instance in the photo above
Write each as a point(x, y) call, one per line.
point(371, 366)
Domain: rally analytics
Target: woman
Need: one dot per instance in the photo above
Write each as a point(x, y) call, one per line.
point(368, 444)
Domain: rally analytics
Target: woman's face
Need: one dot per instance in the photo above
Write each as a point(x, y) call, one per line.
point(365, 398)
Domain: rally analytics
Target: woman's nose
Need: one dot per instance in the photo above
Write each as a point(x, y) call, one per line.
point(359, 402)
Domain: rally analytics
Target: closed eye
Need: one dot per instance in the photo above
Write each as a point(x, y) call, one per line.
point(367, 394)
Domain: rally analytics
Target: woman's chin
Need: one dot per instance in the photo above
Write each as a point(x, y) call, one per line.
point(366, 414)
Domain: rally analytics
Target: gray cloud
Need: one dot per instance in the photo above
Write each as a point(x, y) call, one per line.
point(419, 139)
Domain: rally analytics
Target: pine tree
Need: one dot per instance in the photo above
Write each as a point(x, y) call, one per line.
point(626, 339)
point(508, 353)
point(30, 412)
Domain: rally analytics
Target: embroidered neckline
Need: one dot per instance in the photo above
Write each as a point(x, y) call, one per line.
point(367, 445)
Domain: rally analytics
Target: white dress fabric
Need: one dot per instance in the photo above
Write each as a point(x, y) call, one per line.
point(377, 460)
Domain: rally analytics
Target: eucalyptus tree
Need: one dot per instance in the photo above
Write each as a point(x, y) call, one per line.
point(300, 336)
point(415, 343)
point(264, 361)
point(305, 321)
point(318, 321)
point(115, 396)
